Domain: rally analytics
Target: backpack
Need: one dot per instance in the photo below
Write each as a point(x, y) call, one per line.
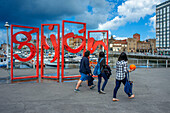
point(107, 71)
point(97, 70)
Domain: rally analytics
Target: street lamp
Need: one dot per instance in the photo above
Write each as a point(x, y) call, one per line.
point(103, 39)
point(7, 26)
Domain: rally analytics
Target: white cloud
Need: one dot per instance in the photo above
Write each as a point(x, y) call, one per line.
point(120, 38)
point(110, 34)
point(114, 36)
point(99, 14)
point(153, 22)
point(113, 24)
point(131, 11)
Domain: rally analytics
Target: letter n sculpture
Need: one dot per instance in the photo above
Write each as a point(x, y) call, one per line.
point(93, 44)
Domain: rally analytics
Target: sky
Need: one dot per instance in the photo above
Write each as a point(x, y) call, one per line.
point(122, 18)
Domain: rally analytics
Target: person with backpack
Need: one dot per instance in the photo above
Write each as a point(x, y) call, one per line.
point(84, 71)
point(102, 62)
point(121, 71)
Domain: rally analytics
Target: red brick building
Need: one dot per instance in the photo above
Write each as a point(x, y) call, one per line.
point(137, 36)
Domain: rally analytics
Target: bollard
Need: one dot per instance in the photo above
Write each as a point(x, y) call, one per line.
point(33, 64)
point(157, 63)
point(147, 63)
point(166, 63)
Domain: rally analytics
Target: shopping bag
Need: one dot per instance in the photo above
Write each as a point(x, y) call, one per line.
point(128, 85)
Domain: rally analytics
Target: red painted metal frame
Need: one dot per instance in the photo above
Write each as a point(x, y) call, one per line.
point(65, 45)
point(44, 45)
point(30, 45)
point(92, 46)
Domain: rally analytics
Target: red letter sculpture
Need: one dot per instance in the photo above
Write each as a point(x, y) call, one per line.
point(92, 45)
point(69, 49)
point(56, 45)
point(33, 50)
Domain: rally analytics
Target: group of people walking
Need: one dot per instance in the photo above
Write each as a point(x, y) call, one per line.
point(121, 72)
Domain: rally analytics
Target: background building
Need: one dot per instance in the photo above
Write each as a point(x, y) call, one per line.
point(133, 45)
point(163, 28)
point(119, 45)
point(137, 36)
point(4, 47)
point(143, 46)
point(74, 42)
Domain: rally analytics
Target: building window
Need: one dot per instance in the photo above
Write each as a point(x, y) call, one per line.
point(160, 24)
point(160, 17)
point(164, 25)
point(160, 11)
point(164, 10)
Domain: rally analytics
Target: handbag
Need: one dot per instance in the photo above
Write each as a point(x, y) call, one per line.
point(128, 85)
point(90, 80)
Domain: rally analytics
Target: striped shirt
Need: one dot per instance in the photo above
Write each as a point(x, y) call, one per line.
point(121, 69)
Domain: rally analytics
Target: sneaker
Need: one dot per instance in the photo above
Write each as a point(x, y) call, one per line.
point(102, 92)
point(132, 96)
point(93, 86)
point(76, 90)
point(115, 99)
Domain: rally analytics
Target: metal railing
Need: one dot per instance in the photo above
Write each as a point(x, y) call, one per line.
point(146, 63)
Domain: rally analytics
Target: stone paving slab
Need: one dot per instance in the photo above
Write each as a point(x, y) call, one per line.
point(151, 88)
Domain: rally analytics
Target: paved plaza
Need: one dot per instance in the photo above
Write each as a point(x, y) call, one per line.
point(151, 89)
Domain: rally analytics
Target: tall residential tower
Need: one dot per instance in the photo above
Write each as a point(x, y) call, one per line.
point(163, 27)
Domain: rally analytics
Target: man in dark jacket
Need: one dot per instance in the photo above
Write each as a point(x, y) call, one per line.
point(84, 70)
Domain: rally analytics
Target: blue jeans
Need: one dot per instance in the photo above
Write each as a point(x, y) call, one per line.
point(118, 82)
point(100, 80)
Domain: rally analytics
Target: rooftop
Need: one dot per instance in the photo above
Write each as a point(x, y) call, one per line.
point(162, 4)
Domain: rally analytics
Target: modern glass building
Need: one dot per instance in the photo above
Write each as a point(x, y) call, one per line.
point(163, 28)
